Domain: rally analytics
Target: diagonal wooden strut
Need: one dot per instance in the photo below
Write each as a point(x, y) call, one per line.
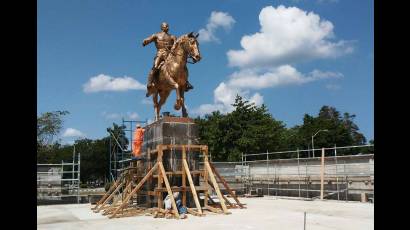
point(113, 186)
point(118, 200)
point(226, 185)
point(164, 177)
point(223, 196)
point(217, 190)
point(110, 197)
point(136, 189)
point(191, 184)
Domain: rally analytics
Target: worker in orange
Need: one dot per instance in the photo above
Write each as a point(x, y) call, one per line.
point(137, 142)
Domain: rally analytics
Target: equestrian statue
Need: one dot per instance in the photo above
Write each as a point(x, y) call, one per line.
point(169, 70)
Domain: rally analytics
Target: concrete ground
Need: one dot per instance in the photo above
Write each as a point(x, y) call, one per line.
point(261, 213)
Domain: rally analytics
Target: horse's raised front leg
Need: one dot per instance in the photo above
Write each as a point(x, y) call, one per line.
point(163, 97)
point(175, 85)
point(156, 105)
point(184, 112)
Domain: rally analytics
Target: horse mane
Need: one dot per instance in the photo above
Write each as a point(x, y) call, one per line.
point(177, 42)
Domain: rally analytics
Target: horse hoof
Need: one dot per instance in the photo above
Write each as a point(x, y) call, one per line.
point(177, 106)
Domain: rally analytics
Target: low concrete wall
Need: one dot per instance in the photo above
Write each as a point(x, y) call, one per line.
point(349, 178)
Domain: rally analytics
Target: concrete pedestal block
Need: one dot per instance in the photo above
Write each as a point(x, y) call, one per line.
point(171, 130)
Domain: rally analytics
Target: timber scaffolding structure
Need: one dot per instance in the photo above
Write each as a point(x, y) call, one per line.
point(122, 198)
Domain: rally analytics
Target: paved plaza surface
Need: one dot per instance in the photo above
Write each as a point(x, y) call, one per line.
point(261, 213)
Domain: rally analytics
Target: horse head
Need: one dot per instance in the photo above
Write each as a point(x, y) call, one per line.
point(193, 46)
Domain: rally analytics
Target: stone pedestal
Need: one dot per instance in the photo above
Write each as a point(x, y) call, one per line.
point(170, 130)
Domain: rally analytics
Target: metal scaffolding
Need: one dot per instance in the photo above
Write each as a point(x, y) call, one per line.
point(58, 182)
point(119, 155)
point(294, 173)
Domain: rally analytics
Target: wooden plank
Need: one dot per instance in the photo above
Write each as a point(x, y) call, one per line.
point(212, 209)
point(135, 189)
point(110, 197)
point(181, 189)
point(218, 192)
point(149, 165)
point(167, 147)
point(184, 178)
point(113, 186)
point(205, 175)
point(193, 212)
point(226, 199)
point(176, 173)
point(164, 176)
point(192, 186)
point(226, 185)
point(159, 184)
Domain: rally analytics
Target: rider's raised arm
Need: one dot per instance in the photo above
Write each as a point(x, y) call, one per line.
point(149, 39)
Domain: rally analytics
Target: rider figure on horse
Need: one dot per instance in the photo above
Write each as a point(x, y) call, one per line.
point(163, 42)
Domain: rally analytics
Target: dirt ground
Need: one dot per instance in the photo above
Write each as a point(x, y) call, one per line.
point(261, 213)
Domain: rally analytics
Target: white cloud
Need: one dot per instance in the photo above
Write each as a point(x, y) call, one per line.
point(287, 35)
point(216, 20)
point(241, 82)
point(104, 82)
point(70, 132)
point(209, 108)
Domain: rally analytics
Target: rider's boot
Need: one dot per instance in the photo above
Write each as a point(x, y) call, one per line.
point(188, 86)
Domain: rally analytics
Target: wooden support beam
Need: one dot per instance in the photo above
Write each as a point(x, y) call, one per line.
point(184, 178)
point(226, 199)
point(205, 175)
point(113, 186)
point(127, 191)
point(221, 179)
point(135, 189)
point(212, 209)
point(159, 179)
point(177, 173)
point(191, 184)
point(180, 189)
point(164, 177)
point(167, 147)
point(217, 190)
point(110, 197)
point(194, 212)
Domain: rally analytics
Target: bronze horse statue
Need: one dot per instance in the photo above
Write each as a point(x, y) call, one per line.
point(173, 74)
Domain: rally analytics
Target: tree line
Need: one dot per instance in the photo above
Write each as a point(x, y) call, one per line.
point(252, 129)
point(247, 129)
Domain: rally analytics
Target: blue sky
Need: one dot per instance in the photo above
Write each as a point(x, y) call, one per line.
point(294, 56)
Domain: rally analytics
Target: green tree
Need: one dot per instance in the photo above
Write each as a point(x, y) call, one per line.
point(247, 129)
point(49, 125)
point(118, 134)
point(94, 158)
point(342, 131)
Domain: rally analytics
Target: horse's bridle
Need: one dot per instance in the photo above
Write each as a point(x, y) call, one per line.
point(189, 55)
